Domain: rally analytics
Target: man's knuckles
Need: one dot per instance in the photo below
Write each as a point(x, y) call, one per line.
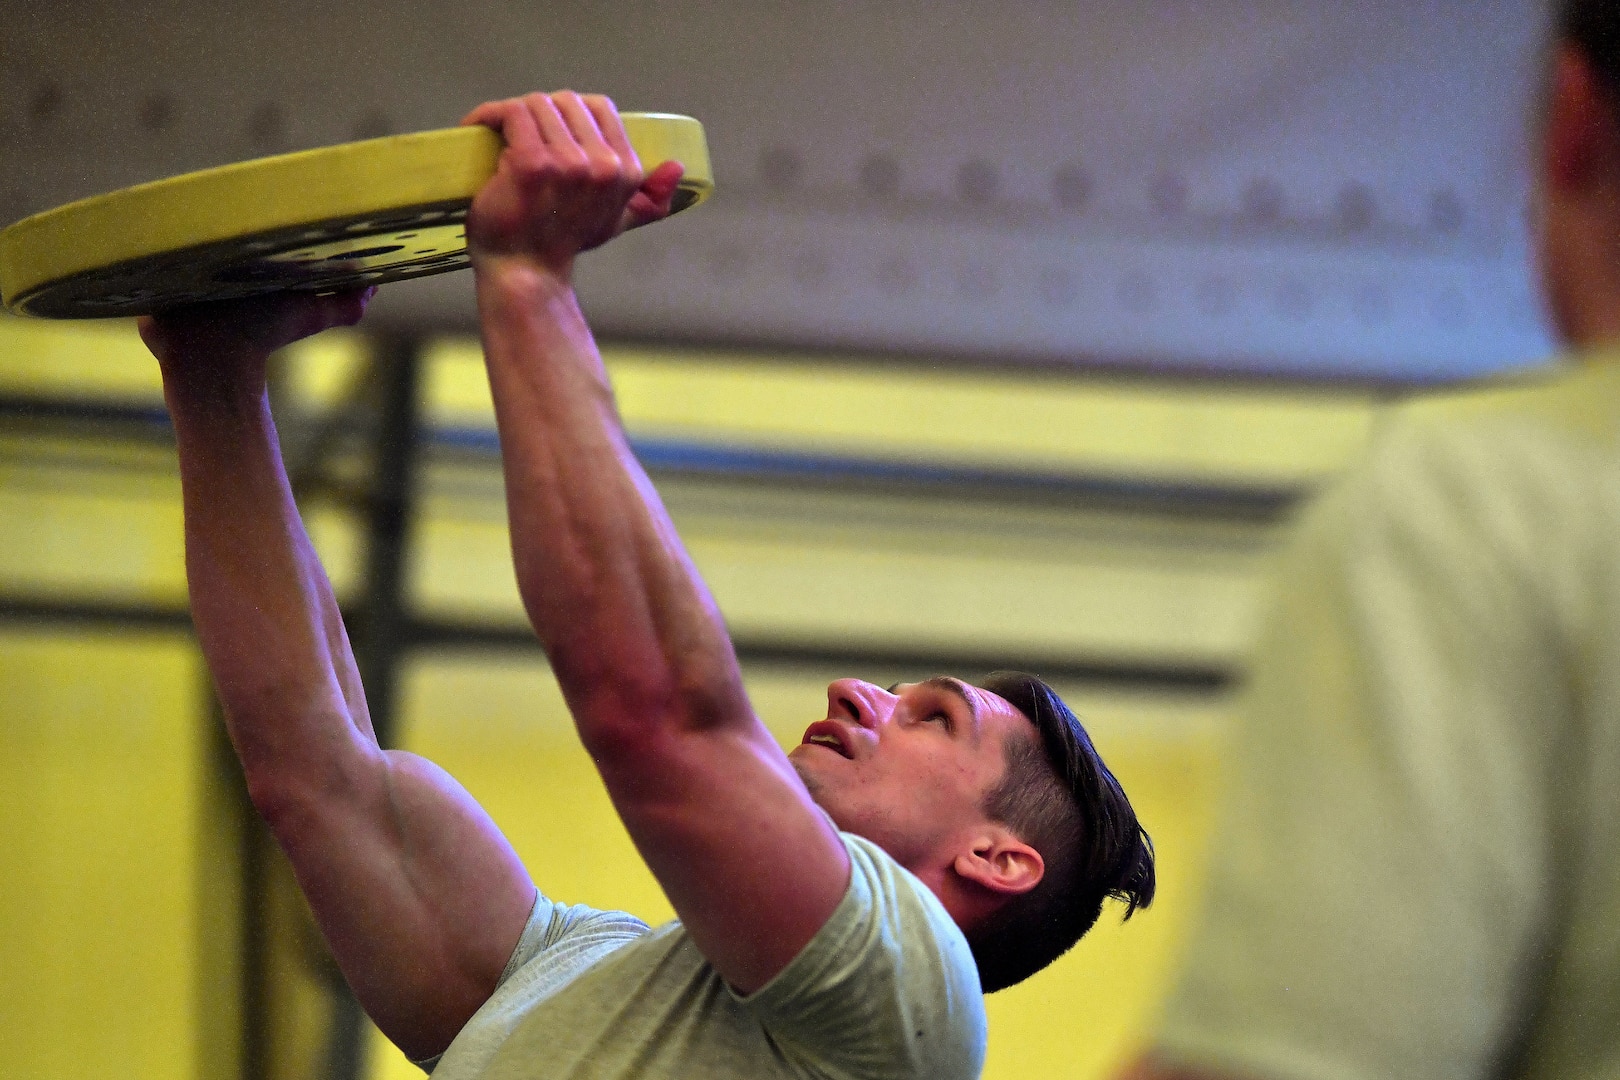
point(536, 103)
point(535, 169)
point(606, 170)
point(579, 171)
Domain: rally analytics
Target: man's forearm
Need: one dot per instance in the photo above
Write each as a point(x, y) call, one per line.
point(604, 577)
point(263, 608)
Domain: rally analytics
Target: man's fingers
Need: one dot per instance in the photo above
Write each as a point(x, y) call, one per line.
point(348, 307)
point(606, 115)
point(567, 191)
point(488, 114)
point(260, 324)
point(513, 122)
point(523, 137)
point(553, 129)
point(582, 126)
point(577, 129)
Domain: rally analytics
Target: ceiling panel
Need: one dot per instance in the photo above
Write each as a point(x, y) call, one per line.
point(1304, 188)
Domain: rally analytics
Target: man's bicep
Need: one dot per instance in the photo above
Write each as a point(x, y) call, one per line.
point(750, 864)
point(418, 893)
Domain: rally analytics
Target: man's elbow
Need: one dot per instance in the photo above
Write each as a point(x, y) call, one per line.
point(291, 790)
point(634, 717)
point(639, 729)
point(617, 727)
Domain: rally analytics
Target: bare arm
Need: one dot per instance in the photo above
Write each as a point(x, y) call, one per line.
point(634, 637)
point(416, 891)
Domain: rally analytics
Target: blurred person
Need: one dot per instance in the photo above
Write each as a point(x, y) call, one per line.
point(1418, 871)
point(841, 908)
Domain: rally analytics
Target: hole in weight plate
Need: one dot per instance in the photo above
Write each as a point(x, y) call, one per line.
point(387, 224)
point(364, 253)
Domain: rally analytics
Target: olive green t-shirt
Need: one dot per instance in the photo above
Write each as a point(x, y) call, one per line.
point(1417, 874)
point(886, 988)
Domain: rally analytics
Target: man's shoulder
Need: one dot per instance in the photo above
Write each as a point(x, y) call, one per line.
point(891, 968)
point(904, 899)
point(889, 908)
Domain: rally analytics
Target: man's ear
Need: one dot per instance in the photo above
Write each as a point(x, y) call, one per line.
point(1580, 133)
point(1000, 863)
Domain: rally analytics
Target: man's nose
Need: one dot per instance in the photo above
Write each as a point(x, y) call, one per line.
point(857, 701)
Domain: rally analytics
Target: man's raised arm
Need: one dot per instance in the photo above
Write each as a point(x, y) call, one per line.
point(418, 894)
point(634, 638)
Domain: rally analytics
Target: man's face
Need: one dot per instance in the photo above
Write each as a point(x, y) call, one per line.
point(909, 767)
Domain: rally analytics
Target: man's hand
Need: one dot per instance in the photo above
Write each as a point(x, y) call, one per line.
point(224, 345)
point(568, 181)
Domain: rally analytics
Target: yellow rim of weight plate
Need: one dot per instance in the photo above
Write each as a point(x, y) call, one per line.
point(335, 217)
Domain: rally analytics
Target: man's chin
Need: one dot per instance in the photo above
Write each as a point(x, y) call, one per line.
point(812, 783)
point(796, 759)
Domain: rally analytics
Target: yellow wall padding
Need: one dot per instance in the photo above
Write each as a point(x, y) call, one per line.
point(1010, 419)
point(986, 417)
point(101, 788)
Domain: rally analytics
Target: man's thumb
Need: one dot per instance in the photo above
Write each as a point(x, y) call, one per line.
point(652, 202)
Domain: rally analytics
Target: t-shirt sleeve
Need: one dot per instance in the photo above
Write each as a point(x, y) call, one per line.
point(565, 935)
point(556, 938)
point(1379, 893)
point(887, 987)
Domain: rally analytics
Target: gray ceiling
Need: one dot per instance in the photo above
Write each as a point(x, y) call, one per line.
point(1313, 188)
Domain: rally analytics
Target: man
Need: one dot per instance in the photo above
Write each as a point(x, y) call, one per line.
point(1420, 868)
point(838, 912)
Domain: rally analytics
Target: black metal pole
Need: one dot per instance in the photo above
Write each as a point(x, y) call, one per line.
point(384, 618)
point(382, 631)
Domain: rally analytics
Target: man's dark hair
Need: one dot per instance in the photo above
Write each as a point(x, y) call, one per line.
point(1058, 797)
point(1594, 26)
